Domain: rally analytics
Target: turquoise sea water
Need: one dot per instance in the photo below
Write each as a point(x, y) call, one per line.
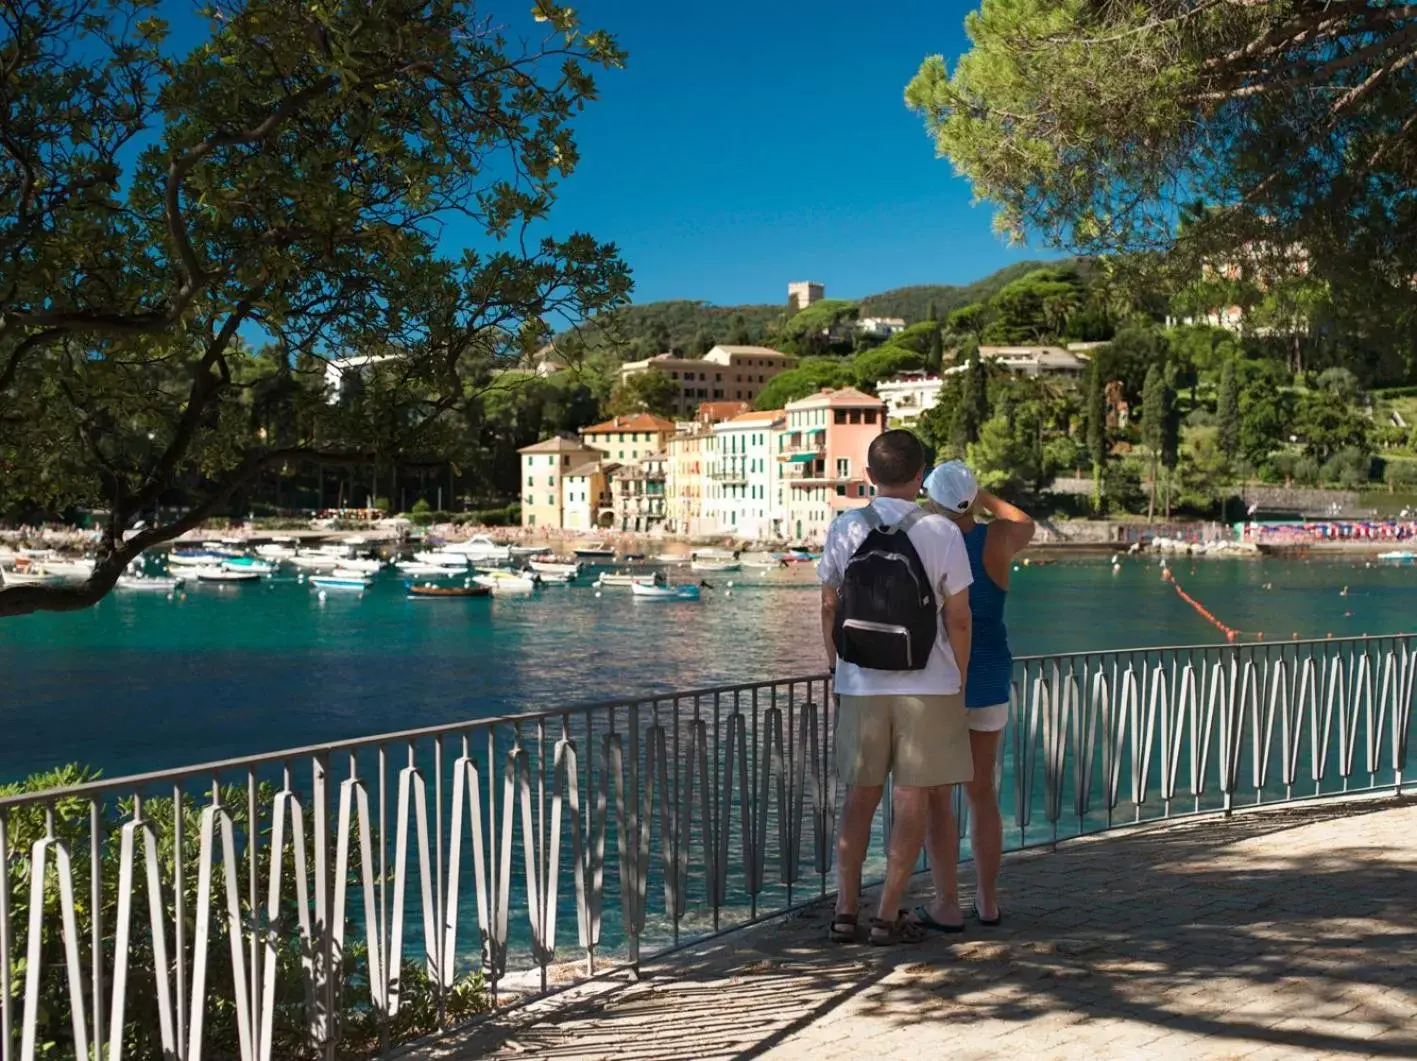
point(142, 682)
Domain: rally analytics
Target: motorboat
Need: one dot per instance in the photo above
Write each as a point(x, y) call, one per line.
point(194, 559)
point(367, 566)
point(672, 558)
point(438, 558)
point(68, 568)
point(276, 551)
point(556, 578)
point(148, 584)
point(249, 563)
point(547, 568)
point(524, 551)
point(714, 566)
point(431, 591)
point(226, 547)
point(1399, 556)
point(623, 578)
point(222, 573)
point(641, 591)
point(505, 581)
point(479, 549)
point(315, 561)
point(595, 551)
point(418, 569)
point(31, 575)
point(710, 553)
point(342, 578)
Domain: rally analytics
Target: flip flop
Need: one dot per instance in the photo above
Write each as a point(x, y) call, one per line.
point(924, 920)
point(987, 922)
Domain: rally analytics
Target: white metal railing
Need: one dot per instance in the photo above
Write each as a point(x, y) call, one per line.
point(341, 899)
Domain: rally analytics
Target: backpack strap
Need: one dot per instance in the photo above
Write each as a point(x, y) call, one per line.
point(909, 520)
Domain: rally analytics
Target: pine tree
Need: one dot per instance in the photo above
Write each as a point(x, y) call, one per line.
point(1097, 442)
point(1153, 421)
point(973, 407)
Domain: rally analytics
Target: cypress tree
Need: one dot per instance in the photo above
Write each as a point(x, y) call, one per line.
point(1153, 425)
point(1096, 414)
point(1227, 411)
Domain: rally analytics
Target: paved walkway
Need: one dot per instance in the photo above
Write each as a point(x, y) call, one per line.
point(1280, 933)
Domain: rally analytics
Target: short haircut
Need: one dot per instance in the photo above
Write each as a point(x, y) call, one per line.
point(895, 458)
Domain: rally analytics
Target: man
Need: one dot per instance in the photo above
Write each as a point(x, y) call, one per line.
point(888, 571)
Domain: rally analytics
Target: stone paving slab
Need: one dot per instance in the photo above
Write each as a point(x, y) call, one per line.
point(1281, 933)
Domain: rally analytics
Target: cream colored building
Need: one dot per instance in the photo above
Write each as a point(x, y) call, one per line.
point(724, 374)
point(544, 467)
point(629, 439)
point(639, 496)
point(687, 460)
point(743, 474)
point(588, 503)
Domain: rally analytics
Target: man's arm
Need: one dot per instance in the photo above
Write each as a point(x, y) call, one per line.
point(829, 606)
point(959, 628)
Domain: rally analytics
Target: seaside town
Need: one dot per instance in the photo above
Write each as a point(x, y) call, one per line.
point(708, 532)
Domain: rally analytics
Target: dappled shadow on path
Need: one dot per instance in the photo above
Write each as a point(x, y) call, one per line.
point(1293, 928)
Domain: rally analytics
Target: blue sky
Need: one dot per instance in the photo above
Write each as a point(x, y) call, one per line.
point(749, 144)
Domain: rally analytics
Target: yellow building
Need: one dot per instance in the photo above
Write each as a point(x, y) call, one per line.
point(629, 439)
point(587, 502)
point(544, 467)
point(687, 461)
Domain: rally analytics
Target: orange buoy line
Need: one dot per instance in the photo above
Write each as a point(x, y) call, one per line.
point(1230, 632)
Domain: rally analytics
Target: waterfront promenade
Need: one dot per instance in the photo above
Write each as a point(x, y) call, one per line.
point(1277, 933)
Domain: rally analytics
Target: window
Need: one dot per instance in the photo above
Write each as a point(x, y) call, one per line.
point(870, 416)
point(841, 491)
point(855, 416)
point(550, 500)
point(622, 455)
point(551, 480)
point(843, 467)
point(841, 416)
point(718, 377)
point(530, 520)
point(673, 375)
point(531, 480)
point(702, 377)
point(860, 491)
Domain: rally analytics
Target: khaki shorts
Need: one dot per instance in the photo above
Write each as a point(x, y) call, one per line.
point(923, 741)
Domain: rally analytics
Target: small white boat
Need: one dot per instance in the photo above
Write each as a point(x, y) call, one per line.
point(523, 551)
point(315, 561)
point(555, 568)
point(342, 579)
point(1399, 556)
point(69, 568)
point(664, 593)
point(417, 568)
point(137, 584)
point(368, 567)
point(275, 551)
point(203, 559)
point(222, 573)
point(35, 577)
point(556, 578)
point(707, 566)
point(712, 553)
point(595, 551)
point(672, 558)
point(249, 563)
point(623, 578)
point(438, 558)
point(479, 549)
point(505, 582)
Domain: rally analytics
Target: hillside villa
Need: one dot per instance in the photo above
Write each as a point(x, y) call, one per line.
point(725, 373)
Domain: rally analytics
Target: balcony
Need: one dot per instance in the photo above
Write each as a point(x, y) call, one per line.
point(809, 443)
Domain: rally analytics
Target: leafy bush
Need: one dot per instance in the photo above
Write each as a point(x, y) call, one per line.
point(1348, 468)
point(509, 516)
point(359, 1031)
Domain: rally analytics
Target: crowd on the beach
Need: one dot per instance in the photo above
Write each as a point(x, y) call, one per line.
point(1325, 531)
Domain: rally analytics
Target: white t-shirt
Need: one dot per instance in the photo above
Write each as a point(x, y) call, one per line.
point(942, 552)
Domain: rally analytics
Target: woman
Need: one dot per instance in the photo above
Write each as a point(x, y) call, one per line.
point(992, 547)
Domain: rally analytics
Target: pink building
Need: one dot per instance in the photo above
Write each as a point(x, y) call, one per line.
point(823, 456)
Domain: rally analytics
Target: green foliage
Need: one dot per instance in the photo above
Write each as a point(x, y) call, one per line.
point(1034, 308)
point(1099, 446)
point(1266, 417)
point(807, 378)
point(1326, 426)
point(1227, 411)
point(913, 303)
point(970, 319)
point(284, 176)
point(972, 409)
point(884, 362)
point(644, 392)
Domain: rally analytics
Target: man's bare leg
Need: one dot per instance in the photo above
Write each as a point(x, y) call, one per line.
point(852, 838)
point(910, 804)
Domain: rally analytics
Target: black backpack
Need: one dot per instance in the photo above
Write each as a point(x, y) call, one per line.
point(887, 617)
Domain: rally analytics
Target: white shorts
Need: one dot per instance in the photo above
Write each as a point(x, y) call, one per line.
point(989, 719)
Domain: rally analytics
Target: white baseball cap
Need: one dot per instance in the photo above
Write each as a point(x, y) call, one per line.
point(952, 486)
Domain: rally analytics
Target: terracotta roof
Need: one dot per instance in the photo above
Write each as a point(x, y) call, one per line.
point(755, 351)
point(762, 416)
point(591, 468)
point(634, 422)
point(557, 444)
point(827, 398)
point(721, 410)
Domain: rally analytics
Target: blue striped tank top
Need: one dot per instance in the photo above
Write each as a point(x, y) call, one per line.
point(990, 661)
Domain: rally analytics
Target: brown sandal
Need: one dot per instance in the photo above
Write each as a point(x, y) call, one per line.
point(843, 928)
point(893, 933)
